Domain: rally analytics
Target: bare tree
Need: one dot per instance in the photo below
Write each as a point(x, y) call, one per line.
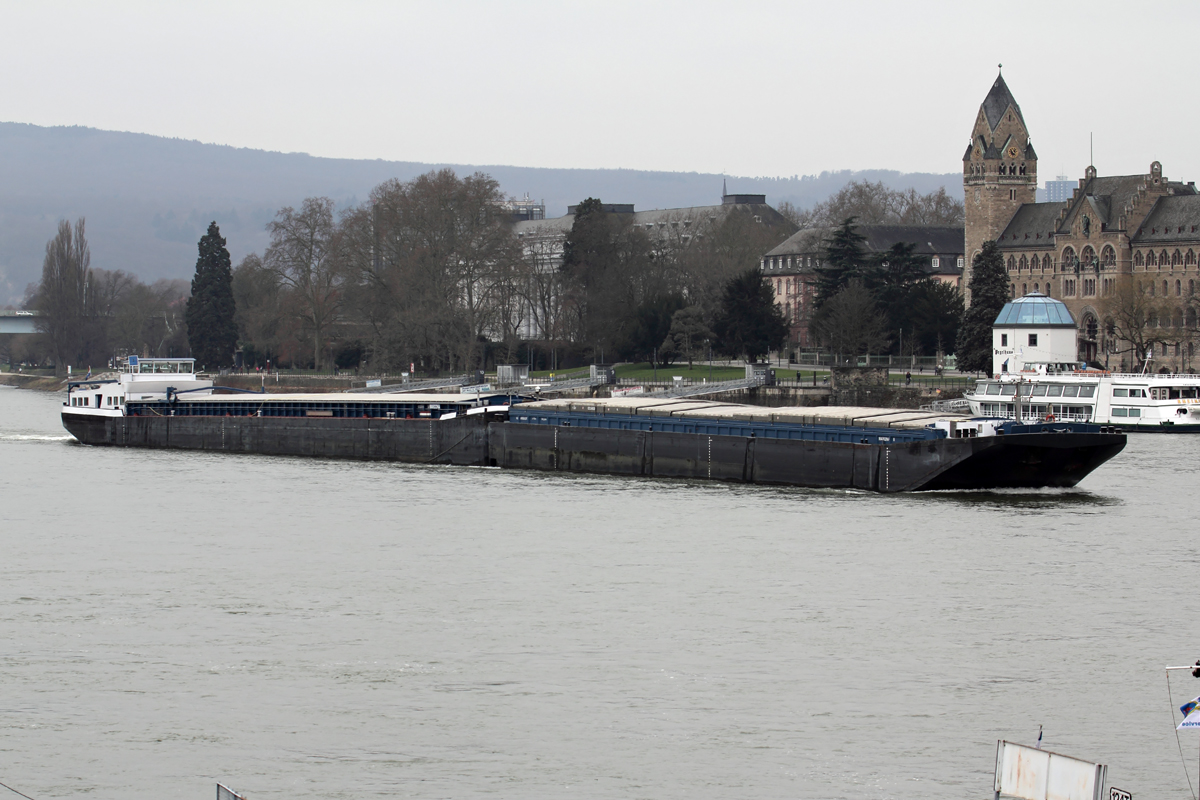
point(64, 295)
point(1138, 320)
point(302, 253)
point(433, 260)
point(850, 324)
point(877, 204)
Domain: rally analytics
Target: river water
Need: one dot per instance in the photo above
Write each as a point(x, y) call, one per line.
point(304, 628)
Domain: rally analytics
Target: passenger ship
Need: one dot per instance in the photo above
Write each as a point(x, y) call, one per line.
point(1131, 401)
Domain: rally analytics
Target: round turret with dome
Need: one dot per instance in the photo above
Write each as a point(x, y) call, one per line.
point(1034, 329)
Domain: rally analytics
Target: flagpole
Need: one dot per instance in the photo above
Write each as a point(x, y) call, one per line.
point(1195, 670)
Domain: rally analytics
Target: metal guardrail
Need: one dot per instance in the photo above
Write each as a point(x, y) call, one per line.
point(697, 389)
point(562, 386)
point(415, 386)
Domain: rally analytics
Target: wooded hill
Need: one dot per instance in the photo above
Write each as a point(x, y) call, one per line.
point(149, 199)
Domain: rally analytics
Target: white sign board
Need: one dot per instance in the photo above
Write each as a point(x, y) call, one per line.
point(375, 384)
point(1030, 774)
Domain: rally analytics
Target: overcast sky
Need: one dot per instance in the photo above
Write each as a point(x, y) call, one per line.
point(758, 89)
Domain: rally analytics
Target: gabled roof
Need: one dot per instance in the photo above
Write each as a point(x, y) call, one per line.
point(1032, 226)
point(1173, 219)
point(998, 101)
point(1117, 191)
point(928, 240)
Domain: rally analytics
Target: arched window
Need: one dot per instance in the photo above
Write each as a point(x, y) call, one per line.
point(1002, 169)
point(1011, 264)
point(1023, 265)
point(1177, 319)
point(1189, 258)
point(1091, 327)
point(1178, 289)
point(1152, 288)
point(1165, 290)
point(1177, 259)
point(1088, 257)
point(1034, 263)
point(1012, 290)
point(1191, 288)
point(1151, 259)
point(1163, 259)
point(1138, 261)
point(1024, 289)
point(1035, 288)
point(1108, 257)
point(1047, 286)
point(1068, 259)
point(1191, 317)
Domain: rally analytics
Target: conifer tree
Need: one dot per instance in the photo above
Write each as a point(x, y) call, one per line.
point(749, 323)
point(989, 293)
point(212, 332)
point(844, 259)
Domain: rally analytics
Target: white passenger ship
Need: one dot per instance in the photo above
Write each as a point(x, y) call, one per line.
point(1142, 402)
point(1035, 378)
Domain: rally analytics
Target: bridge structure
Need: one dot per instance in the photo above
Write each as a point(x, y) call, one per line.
point(18, 321)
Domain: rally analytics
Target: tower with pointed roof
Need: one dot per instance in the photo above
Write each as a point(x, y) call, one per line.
point(999, 171)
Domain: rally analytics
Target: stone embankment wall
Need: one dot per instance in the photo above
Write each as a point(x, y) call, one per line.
point(869, 387)
point(42, 382)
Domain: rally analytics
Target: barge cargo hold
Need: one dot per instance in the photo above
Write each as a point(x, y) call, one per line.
point(877, 449)
point(416, 428)
point(882, 450)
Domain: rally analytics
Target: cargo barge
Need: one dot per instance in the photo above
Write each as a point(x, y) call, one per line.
point(882, 450)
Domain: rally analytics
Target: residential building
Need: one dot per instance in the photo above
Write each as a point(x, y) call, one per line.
point(791, 268)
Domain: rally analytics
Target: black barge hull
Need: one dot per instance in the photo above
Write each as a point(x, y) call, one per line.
point(1023, 460)
point(1019, 460)
point(461, 441)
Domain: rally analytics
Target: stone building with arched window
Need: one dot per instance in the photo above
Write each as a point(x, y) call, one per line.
point(1143, 226)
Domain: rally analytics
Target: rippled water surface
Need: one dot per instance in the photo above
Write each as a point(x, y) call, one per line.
point(303, 628)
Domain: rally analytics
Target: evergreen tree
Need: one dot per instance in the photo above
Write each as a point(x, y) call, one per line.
point(749, 323)
point(989, 293)
point(843, 260)
point(212, 332)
